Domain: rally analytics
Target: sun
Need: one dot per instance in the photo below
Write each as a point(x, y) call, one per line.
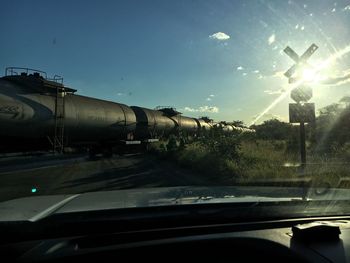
point(309, 75)
point(312, 75)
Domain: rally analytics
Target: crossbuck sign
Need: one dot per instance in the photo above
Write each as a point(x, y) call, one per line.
point(299, 61)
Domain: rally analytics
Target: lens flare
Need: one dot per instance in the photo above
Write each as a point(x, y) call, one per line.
point(324, 64)
point(309, 75)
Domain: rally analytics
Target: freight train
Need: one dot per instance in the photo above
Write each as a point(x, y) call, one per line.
point(41, 113)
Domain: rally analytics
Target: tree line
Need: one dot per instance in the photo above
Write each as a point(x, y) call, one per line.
point(328, 134)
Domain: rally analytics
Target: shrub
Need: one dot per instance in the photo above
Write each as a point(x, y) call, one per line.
point(172, 144)
point(222, 145)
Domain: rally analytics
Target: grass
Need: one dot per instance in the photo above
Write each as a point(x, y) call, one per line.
point(258, 161)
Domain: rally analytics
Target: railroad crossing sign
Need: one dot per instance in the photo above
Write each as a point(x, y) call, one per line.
point(299, 61)
point(301, 94)
point(301, 112)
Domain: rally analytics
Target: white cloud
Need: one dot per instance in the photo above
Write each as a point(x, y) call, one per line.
point(219, 36)
point(209, 109)
point(275, 74)
point(256, 71)
point(272, 39)
point(212, 109)
point(278, 74)
point(337, 81)
point(347, 8)
point(210, 97)
point(240, 68)
point(189, 109)
point(120, 94)
point(274, 92)
point(302, 28)
point(244, 74)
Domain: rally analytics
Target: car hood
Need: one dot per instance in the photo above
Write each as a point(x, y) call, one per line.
point(37, 207)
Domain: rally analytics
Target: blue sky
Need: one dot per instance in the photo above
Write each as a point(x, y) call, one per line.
point(221, 59)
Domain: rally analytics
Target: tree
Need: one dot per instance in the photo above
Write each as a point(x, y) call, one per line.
point(274, 130)
point(332, 129)
point(221, 144)
point(345, 100)
point(238, 123)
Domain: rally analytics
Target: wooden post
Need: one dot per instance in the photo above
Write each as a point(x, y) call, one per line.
point(302, 145)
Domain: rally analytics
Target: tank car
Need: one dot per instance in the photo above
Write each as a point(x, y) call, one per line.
point(152, 123)
point(204, 124)
point(37, 112)
point(30, 114)
point(183, 125)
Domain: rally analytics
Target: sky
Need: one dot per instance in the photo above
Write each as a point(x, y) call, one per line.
point(222, 59)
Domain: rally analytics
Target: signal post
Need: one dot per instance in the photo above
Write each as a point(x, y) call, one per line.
point(300, 112)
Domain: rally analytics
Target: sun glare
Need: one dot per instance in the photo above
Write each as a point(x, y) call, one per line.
point(312, 74)
point(309, 75)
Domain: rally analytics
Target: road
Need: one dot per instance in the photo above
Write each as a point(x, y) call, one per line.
point(47, 176)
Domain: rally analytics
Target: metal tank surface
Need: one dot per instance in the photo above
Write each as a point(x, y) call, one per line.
point(37, 111)
point(186, 124)
point(230, 128)
point(27, 111)
point(93, 119)
point(22, 112)
point(152, 123)
point(183, 124)
point(203, 124)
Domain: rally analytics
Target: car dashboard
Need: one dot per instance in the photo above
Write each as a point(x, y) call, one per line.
point(271, 241)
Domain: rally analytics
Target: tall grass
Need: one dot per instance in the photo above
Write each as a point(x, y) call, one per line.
point(257, 160)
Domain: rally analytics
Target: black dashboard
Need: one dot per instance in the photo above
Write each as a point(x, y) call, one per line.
point(181, 224)
point(269, 241)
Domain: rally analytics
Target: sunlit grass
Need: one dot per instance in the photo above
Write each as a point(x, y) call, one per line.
point(259, 161)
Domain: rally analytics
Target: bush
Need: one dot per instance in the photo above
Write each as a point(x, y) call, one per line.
point(172, 144)
point(222, 145)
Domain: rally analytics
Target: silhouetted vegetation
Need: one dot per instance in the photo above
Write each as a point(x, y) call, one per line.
point(271, 152)
point(274, 130)
point(332, 129)
point(221, 144)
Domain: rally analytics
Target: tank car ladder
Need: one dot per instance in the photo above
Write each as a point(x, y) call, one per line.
point(58, 140)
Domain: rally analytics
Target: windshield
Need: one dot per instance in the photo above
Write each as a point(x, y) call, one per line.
point(115, 95)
